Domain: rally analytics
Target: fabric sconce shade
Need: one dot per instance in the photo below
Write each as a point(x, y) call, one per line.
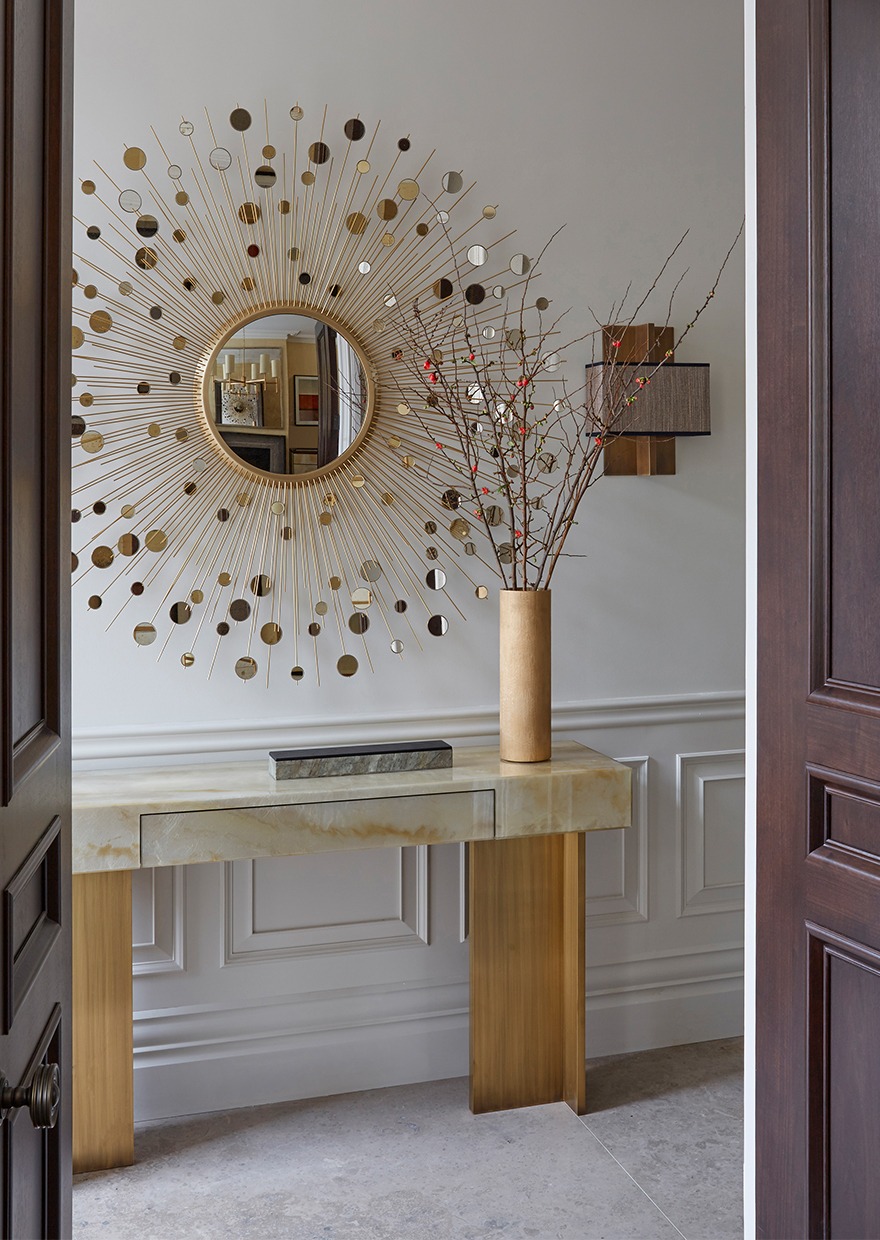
point(675, 400)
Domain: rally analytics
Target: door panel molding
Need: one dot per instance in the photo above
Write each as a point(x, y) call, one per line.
point(27, 951)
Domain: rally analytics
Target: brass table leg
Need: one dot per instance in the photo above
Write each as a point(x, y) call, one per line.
point(103, 1081)
point(527, 972)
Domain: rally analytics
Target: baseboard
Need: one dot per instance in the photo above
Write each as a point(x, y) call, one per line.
point(701, 1011)
point(251, 738)
point(190, 1062)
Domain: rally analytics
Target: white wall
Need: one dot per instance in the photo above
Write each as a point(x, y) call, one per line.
point(624, 120)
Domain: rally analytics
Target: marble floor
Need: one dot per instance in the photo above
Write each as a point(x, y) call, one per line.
point(658, 1157)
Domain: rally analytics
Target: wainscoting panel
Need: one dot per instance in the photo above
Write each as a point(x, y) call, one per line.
point(711, 811)
point(297, 977)
point(281, 907)
point(158, 941)
point(617, 861)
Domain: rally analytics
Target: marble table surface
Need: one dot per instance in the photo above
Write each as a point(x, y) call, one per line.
point(125, 818)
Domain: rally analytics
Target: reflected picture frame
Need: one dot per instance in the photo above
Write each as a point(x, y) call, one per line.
point(302, 461)
point(306, 393)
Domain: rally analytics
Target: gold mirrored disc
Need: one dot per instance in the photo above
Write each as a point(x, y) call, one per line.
point(134, 158)
point(92, 441)
point(100, 321)
point(128, 544)
point(271, 634)
point(156, 540)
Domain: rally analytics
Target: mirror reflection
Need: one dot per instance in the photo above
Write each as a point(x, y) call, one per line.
point(288, 394)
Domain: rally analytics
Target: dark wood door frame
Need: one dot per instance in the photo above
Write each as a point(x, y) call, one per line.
point(36, 136)
point(818, 658)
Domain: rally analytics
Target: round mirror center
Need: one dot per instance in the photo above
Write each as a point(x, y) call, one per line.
point(286, 393)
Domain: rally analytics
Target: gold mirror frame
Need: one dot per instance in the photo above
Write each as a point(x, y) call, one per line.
point(205, 557)
point(233, 327)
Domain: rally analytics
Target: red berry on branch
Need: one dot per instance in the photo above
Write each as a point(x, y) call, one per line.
point(439, 445)
point(615, 344)
point(598, 442)
point(427, 364)
point(433, 378)
point(471, 356)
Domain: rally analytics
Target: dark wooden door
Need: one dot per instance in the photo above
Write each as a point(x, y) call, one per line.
point(328, 394)
point(818, 1002)
point(35, 265)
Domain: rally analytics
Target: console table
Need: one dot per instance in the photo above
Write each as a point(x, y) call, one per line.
point(524, 824)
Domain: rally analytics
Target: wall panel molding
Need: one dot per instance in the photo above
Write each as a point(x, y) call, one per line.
point(620, 861)
point(305, 985)
point(405, 924)
point(253, 738)
point(711, 856)
point(159, 915)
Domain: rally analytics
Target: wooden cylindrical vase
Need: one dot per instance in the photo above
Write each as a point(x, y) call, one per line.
point(525, 675)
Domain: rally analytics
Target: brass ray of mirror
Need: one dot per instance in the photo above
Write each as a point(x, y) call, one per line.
point(252, 497)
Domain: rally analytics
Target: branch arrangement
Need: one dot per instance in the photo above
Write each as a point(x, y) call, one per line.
point(525, 444)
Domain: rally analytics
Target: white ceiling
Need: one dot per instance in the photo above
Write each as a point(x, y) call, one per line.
point(278, 327)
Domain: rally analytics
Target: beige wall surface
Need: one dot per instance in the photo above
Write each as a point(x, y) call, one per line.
point(621, 120)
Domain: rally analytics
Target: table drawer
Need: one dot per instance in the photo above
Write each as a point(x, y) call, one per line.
point(324, 826)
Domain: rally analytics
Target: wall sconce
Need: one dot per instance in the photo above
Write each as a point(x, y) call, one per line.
point(674, 402)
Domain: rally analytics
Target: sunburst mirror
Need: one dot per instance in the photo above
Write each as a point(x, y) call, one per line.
point(251, 492)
